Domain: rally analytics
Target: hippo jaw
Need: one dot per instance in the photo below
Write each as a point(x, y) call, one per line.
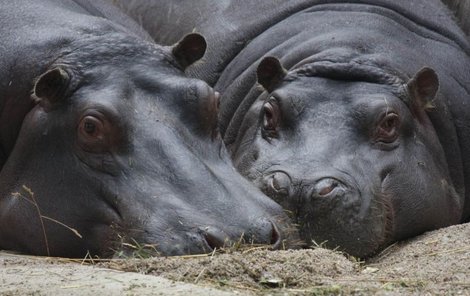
point(358, 164)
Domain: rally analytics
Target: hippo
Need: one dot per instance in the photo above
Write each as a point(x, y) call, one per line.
point(107, 148)
point(353, 115)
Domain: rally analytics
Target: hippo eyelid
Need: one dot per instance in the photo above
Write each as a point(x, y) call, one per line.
point(102, 112)
point(386, 130)
point(270, 118)
point(109, 115)
point(91, 126)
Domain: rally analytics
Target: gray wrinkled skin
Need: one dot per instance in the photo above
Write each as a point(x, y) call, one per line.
point(361, 145)
point(104, 143)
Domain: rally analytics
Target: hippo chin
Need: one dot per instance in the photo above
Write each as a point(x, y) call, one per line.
point(351, 114)
point(106, 145)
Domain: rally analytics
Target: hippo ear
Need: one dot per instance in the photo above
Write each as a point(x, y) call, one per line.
point(51, 86)
point(189, 49)
point(270, 73)
point(423, 88)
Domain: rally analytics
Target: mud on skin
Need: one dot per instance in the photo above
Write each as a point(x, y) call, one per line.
point(105, 143)
point(350, 114)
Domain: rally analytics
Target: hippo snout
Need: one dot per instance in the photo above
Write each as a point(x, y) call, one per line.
point(205, 239)
point(261, 231)
point(264, 231)
point(280, 185)
point(214, 237)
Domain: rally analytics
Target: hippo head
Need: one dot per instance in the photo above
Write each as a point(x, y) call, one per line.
point(121, 152)
point(350, 151)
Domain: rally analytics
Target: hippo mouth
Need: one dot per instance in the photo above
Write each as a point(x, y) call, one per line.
point(214, 238)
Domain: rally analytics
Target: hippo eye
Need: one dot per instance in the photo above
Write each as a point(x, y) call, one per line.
point(387, 130)
point(271, 116)
point(91, 127)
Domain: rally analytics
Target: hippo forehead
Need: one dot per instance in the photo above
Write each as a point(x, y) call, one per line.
point(151, 87)
point(311, 96)
point(116, 52)
point(342, 79)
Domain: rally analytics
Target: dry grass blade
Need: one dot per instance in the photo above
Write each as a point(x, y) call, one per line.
point(200, 275)
point(249, 250)
point(33, 201)
point(62, 224)
point(459, 250)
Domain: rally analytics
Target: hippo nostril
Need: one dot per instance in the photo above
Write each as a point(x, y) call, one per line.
point(276, 237)
point(280, 182)
point(214, 238)
point(213, 241)
point(328, 189)
point(326, 186)
point(265, 232)
point(275, 184)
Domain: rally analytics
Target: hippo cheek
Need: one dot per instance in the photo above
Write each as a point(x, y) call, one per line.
point(426, 201)
point(166, 243)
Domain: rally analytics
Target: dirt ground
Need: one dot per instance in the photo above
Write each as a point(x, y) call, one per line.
point(435, 263)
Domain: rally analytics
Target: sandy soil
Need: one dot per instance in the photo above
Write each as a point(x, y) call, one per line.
point(435, 263)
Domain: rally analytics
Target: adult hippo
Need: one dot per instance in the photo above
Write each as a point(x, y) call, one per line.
point(104, 143)
point(351, 114)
